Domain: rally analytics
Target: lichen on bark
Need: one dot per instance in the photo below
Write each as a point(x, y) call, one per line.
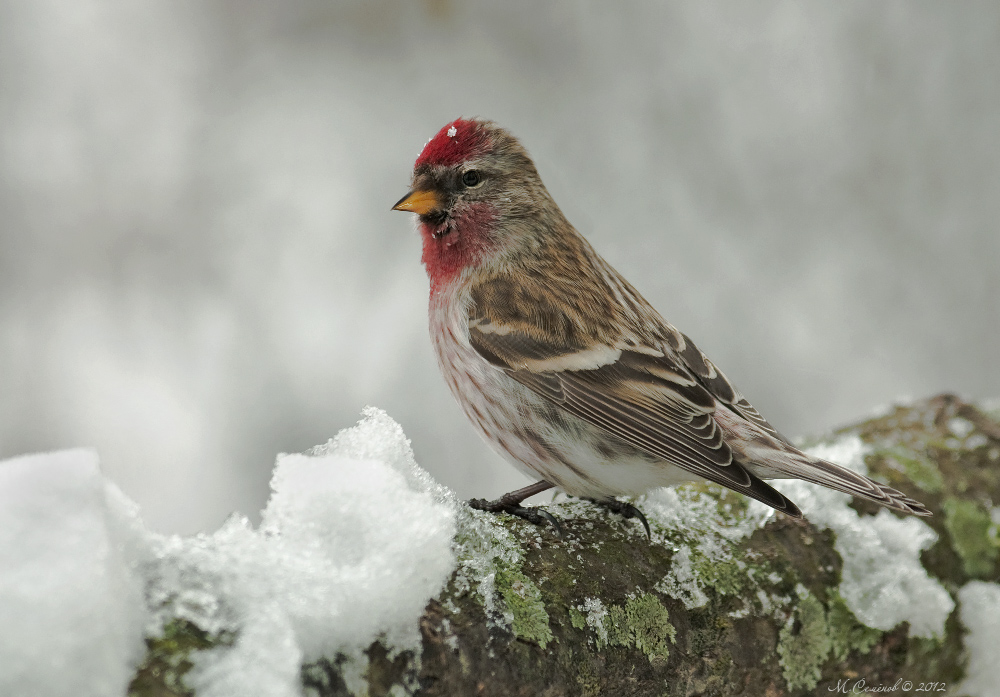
point(529, 620)
point(804, 642)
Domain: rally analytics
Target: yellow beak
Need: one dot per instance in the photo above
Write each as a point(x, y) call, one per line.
point(419, 202)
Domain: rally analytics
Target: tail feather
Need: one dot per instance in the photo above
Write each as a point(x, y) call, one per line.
point(798, 465)
point(772, 458)
point(842, 479)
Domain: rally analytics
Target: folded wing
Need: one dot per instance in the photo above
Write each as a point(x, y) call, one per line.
point(636, 393)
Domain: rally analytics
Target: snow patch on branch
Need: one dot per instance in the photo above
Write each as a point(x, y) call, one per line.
point(883, 581)
point(354, 541)
point(71, 607)
point(980, 614)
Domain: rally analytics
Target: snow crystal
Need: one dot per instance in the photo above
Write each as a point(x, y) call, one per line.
point(452, 132)
point(378, 437)
point(682, 582)
point(883, 582)
point(979, 604)
point(698, 513)
point(596, 614)
point(483, 547)
point(70, 607)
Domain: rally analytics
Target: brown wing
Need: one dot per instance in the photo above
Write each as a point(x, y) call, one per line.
point(719, 385)
point(637, 394)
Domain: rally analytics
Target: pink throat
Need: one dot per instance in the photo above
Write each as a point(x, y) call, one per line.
point(465, 242)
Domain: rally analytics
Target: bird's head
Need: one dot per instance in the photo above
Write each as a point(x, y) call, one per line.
point(476, 193)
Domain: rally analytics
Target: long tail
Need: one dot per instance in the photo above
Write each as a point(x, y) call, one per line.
point(772, 458)
point(828, 474)
point(790, 463)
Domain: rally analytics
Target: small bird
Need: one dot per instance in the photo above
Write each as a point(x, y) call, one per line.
point(562, 366)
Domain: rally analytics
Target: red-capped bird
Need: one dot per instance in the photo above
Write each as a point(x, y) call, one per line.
point(561, 365)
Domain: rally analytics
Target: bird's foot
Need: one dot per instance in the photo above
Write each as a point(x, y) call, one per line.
point(624, 509)
point(504, 504)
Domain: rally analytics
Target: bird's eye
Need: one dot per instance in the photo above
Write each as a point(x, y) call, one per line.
point(471, 178)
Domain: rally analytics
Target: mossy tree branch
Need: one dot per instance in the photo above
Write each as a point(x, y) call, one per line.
point(590, 614)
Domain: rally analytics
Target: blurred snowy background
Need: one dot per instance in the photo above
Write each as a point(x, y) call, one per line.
point(199, 268)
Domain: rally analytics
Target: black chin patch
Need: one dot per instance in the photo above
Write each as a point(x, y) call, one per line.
point(437, 220)
point(434, 217)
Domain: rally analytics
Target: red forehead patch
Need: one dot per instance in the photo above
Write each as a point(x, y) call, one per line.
point(456, 142)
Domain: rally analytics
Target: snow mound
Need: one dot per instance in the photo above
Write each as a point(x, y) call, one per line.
point(71, 608)
point(354, 541)
point(980, 613)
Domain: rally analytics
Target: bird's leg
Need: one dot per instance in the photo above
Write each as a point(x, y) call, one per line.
point(624, 509)
point(511, 503)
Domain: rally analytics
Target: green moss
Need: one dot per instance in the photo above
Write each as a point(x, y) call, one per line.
point(804, 643)
point(577, 618)
point(644, 623)
point(973, 536)
point(168, 659)
point(919, 469)
point(619, 632)
point(926, 653)
point(589, 683)
point(846, 632)
point(524, 600)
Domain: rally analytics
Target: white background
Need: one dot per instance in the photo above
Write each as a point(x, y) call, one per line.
point(199, 268)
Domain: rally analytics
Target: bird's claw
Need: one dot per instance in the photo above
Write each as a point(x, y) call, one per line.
point(625, 510)
point(532, 514)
